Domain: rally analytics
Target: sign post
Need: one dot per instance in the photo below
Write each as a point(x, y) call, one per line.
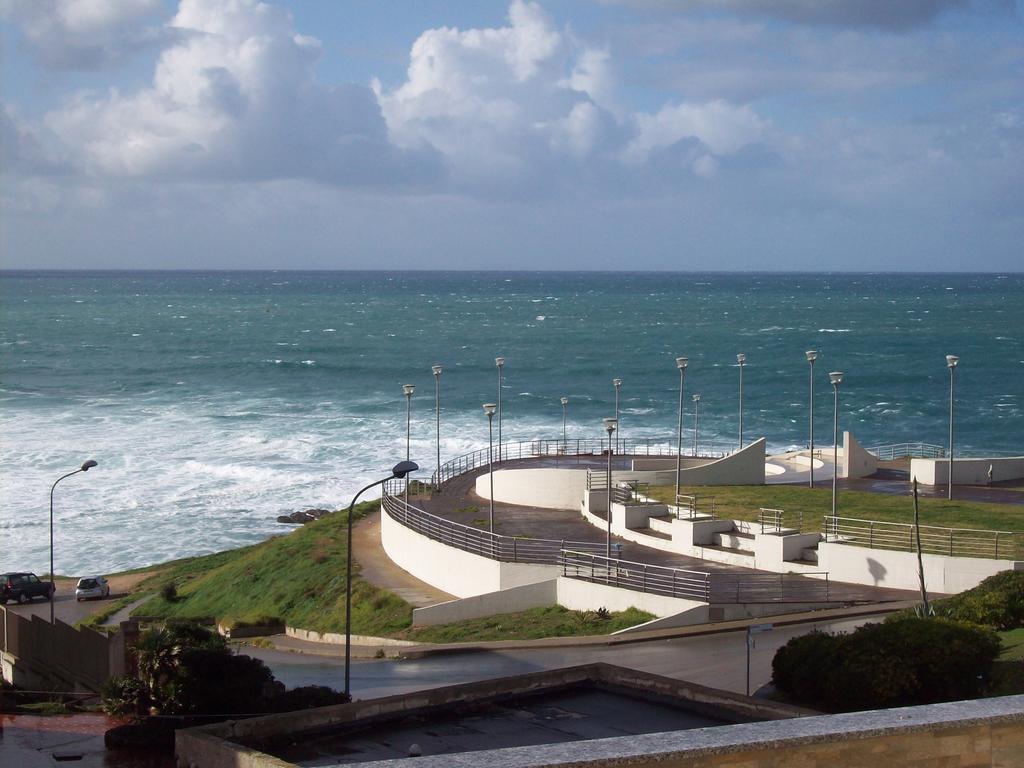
point(754, 629)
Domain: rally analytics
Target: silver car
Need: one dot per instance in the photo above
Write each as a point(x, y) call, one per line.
point(92, 586)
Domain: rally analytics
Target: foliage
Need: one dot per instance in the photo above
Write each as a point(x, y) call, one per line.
point(553, 621)
point(909, 661)
point(124, 695)
point(298, 579)
point(997, 602)
point(741, 502)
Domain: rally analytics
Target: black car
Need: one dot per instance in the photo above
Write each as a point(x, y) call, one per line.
point(22, 587)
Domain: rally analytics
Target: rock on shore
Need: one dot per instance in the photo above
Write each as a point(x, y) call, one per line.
point(305, 516)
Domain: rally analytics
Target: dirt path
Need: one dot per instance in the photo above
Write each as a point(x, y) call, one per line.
point(378, 569)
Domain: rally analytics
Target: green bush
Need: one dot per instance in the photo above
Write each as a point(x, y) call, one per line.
point(996, 602)
point(123, 695)
point(904, 662)
point(169, 592)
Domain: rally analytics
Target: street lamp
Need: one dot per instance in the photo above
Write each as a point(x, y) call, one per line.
point(696, 421)
point(565, 444)
point(500, 363)
point(400, 470)
point(951, 363)
point(84, 468)
point(617, 383)
point(836, 377)
point(609, 425)
point(437, 417)
point(812, 355)
point(489, 409)
point(681, 363)
point(408, 389)
point(741, 360)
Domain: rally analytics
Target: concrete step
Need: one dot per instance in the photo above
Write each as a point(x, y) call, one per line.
point(661, 524)
point(734, 550)
point(732, 539)
point(809, 555)
point(654, 534)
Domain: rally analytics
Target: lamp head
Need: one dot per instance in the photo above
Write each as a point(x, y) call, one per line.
point(741, 358)
point(403, 468)
point(565, 401)
point(408, 389)
point(951, 361)
point(696, 398)
point(610, 424)
point(836, 377)
point(616, 383)
point(812, 355)
point(681, 363)
point(436, 369)
point(88, 465)
point(499, 361)
point(489, 409)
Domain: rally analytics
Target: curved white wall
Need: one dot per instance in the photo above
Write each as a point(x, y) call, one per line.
point(544, 487)
point(856, 462)
point(455, 571)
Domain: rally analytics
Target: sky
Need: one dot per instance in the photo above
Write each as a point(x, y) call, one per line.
point(839, 135)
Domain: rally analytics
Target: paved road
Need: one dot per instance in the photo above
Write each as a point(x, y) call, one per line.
point(65, 607)
point(718, 661)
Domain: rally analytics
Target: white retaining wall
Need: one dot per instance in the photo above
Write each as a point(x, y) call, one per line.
point(539, 595)
point(856, 462)
point(544, 487)
point(459, 573)
point(579, 595)
point(889, 568)
point(967, 471)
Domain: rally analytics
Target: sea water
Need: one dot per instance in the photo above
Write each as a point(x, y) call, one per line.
point(215, 401)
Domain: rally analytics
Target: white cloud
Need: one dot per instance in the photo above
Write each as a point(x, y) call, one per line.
point(235, 97)
point(723, 128)
point(83, 34)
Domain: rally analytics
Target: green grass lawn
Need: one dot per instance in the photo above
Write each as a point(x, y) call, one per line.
point(554, 621)
point(741, 502)
point(298, 578)
point(1008, 672)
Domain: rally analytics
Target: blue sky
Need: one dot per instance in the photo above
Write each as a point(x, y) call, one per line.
point(611, 134)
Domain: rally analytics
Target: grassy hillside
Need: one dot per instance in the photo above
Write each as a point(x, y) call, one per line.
point(741, 502)
point(298, 578)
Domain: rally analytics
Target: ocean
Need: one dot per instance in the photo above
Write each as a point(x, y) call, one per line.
point(215, 401)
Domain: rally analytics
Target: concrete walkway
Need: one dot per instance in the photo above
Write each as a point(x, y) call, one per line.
point(378, 569)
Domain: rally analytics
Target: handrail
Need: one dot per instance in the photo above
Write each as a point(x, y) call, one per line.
point(561, 449)
point(496, 546)
point(687, 507)
point(705, 587)
point(901, 450)
point(779, 519)
point(938, 540)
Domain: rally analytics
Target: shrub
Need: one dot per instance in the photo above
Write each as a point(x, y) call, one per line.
point(909, 661)
point(996, 602)
point(169, 592)
point(124, 695)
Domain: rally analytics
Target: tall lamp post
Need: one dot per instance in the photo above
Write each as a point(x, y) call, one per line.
point(408, 389)
point(696, 421)
point(741, 360)
point(681, 363)
point(812, 355)
point(489, 409)
point(951, 363)
point(437, 417)
point(565, 443)
point(617, 383)
point(836, 377)
point(500, 363)
point(400, 470)
point(84, 468)
point(609, 426)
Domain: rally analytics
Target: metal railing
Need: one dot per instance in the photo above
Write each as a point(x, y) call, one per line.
point(707, 587)
point(508, 549)
point(903, 450)
point(692, 507)
point(777, 520)
point(954, 542)
point(565, 450)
